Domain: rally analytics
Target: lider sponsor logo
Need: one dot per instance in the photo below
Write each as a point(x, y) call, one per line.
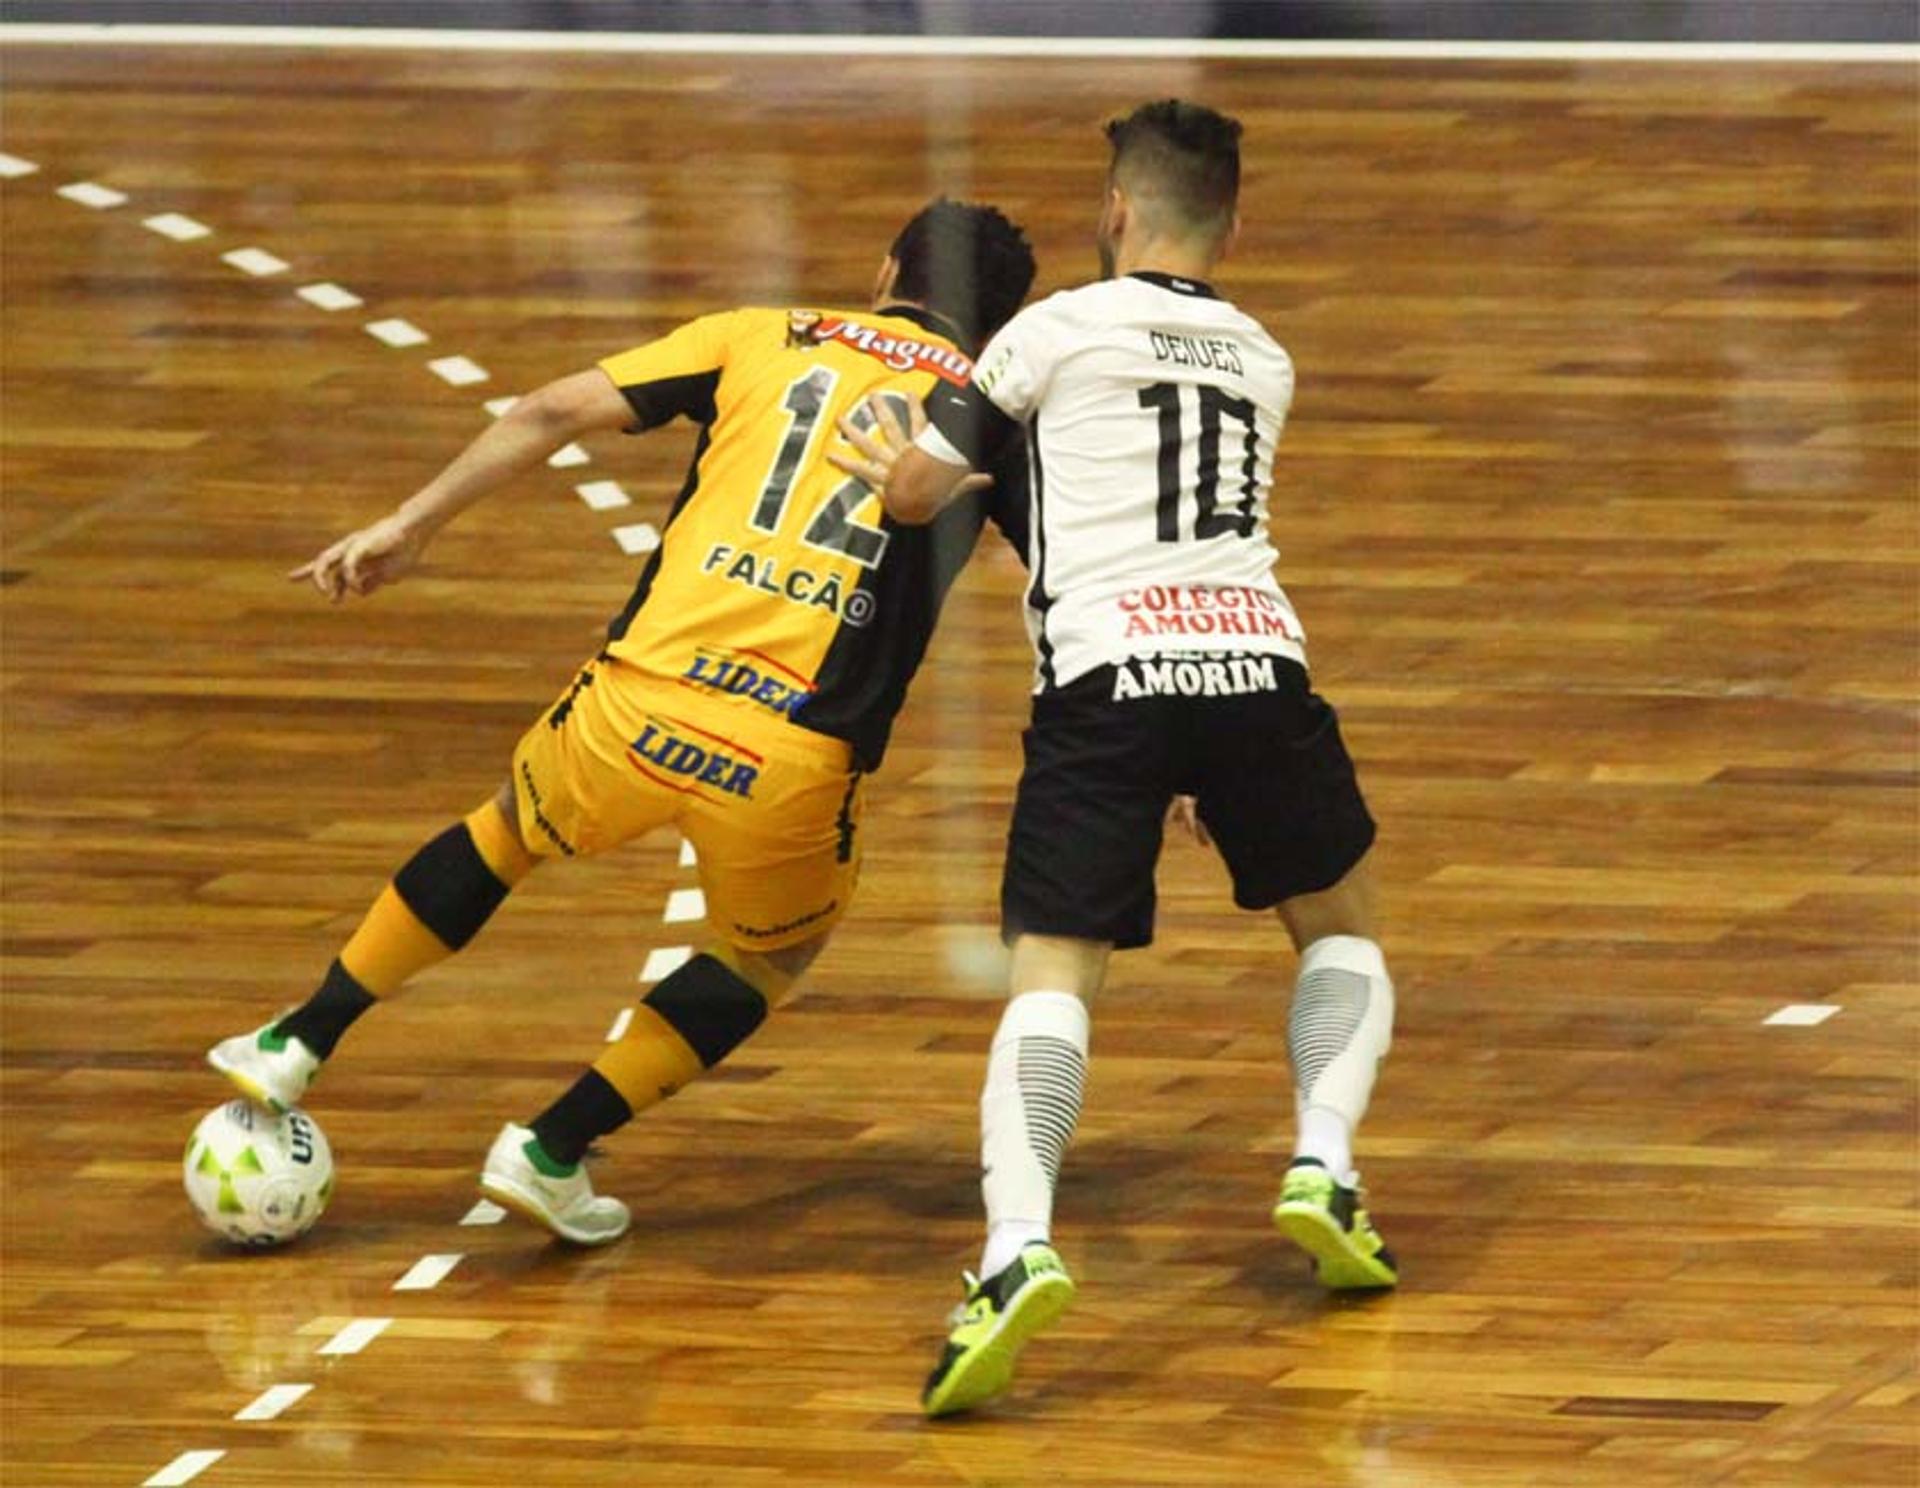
point(699, 761)
point(727, 673)
point(900, 353)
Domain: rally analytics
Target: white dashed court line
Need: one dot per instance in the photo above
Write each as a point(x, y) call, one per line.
point(180, 228)
point(602, 495)
point(328, 296)
point(620, 1026)
point(569, 455)
point(486, 1212)
point(664, 962)
point(639, 537)
point(183, 1469)
point(457, 371)
point(270, 1403)
point(687, 855)
point(1803, 1014)
point(397, 332)
point(355, 1336)
point(685, 904)
point(13, 165)
point(255, 261)
point(92, 194)
point(428, 1272)
point(498, 406)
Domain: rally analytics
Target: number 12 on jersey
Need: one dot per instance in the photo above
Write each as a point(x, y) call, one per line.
point(1209, 520)
point(832, 528)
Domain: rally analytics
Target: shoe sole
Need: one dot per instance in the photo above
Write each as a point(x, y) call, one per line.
point(988, 1371)
point(510, 1196)
point(1341, 1267)
point(251, 1088)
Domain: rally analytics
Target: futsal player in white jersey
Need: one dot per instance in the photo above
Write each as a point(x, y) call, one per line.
point(1169, 664)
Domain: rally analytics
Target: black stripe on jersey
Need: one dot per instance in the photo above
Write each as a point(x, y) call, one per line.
point(618, 627)
point(657, 403)
point(1038, 600)
point(863, 677)
point(1192, 288)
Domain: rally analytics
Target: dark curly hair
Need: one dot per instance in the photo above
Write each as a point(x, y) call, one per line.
point(965, 262)
point(1181, 156)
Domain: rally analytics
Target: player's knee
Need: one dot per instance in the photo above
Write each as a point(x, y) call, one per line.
point(1058, 963)
point(711, 1006)
point(1344, 909)
point(771, 972)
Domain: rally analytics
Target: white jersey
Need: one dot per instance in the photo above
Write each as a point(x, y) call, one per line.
point(1152, 408)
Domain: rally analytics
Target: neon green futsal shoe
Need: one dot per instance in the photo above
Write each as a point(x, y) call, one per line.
point(990, 1328)
point(1324, 1218)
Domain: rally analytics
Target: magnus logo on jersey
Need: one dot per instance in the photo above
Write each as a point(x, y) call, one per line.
point(899, 353)
point(695, 755)
point(1227, 676)
point(757, 681)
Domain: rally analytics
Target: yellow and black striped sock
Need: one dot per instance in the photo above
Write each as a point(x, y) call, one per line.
point(433, 907)
point(688, 1023)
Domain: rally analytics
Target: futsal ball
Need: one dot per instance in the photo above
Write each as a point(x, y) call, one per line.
point(257, 1178)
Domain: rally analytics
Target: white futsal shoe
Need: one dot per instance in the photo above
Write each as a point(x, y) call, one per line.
point(521, 1176)
point(265, 1067)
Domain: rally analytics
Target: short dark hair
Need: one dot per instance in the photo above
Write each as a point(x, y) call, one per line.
point(1185, 156)
point(965, 262)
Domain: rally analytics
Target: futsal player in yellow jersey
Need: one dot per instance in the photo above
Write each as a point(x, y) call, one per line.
point(743, 693)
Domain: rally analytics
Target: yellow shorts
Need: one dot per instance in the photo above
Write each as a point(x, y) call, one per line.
point(772, 809)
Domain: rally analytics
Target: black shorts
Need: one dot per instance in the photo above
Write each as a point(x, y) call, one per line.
point(1274, 785)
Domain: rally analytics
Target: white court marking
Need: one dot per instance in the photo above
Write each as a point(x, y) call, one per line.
point(13, 165)
point(685, 904)
point(255, 261)
point(457, 371)
point(602, 495)
point(397, 332)
point(486, 1212)
point(568, 455)
point(428, 1272)
point(175, 225)
point(1802, 1014)
point(620, 1026)
point(687, 855)
point(664, 961)
point(356, 1335)
point(92, 194)
point(329, 296)
point(271, 1402)
point(1149, 48)
point(183, 1469)
point(637, 537)
point(498, 406)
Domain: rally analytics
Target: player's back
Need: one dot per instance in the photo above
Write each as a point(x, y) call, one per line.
point(1153, 408)
point(777, 583)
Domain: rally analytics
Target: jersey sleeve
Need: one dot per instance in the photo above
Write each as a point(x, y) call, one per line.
point(676, 374)
point(972, 425)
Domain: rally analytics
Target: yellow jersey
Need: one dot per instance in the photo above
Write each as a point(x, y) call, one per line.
point(779, 582)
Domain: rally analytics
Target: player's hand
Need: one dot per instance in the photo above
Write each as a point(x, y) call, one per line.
point(878, 449)
point(1185, 814)
point(363, 561)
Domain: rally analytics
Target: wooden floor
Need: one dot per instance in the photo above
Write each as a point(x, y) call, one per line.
point(1600, 507)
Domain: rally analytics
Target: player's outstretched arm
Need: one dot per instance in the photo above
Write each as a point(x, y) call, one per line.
point(538, 425)
point(912, 485)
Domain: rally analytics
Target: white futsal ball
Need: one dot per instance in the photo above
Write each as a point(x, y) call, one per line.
point(255, 1177)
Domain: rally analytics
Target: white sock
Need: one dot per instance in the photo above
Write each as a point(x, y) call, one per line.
point(1028, 1110)
point(1339, 1030)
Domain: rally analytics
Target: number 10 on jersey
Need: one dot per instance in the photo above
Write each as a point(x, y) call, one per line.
point(1209, 521)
